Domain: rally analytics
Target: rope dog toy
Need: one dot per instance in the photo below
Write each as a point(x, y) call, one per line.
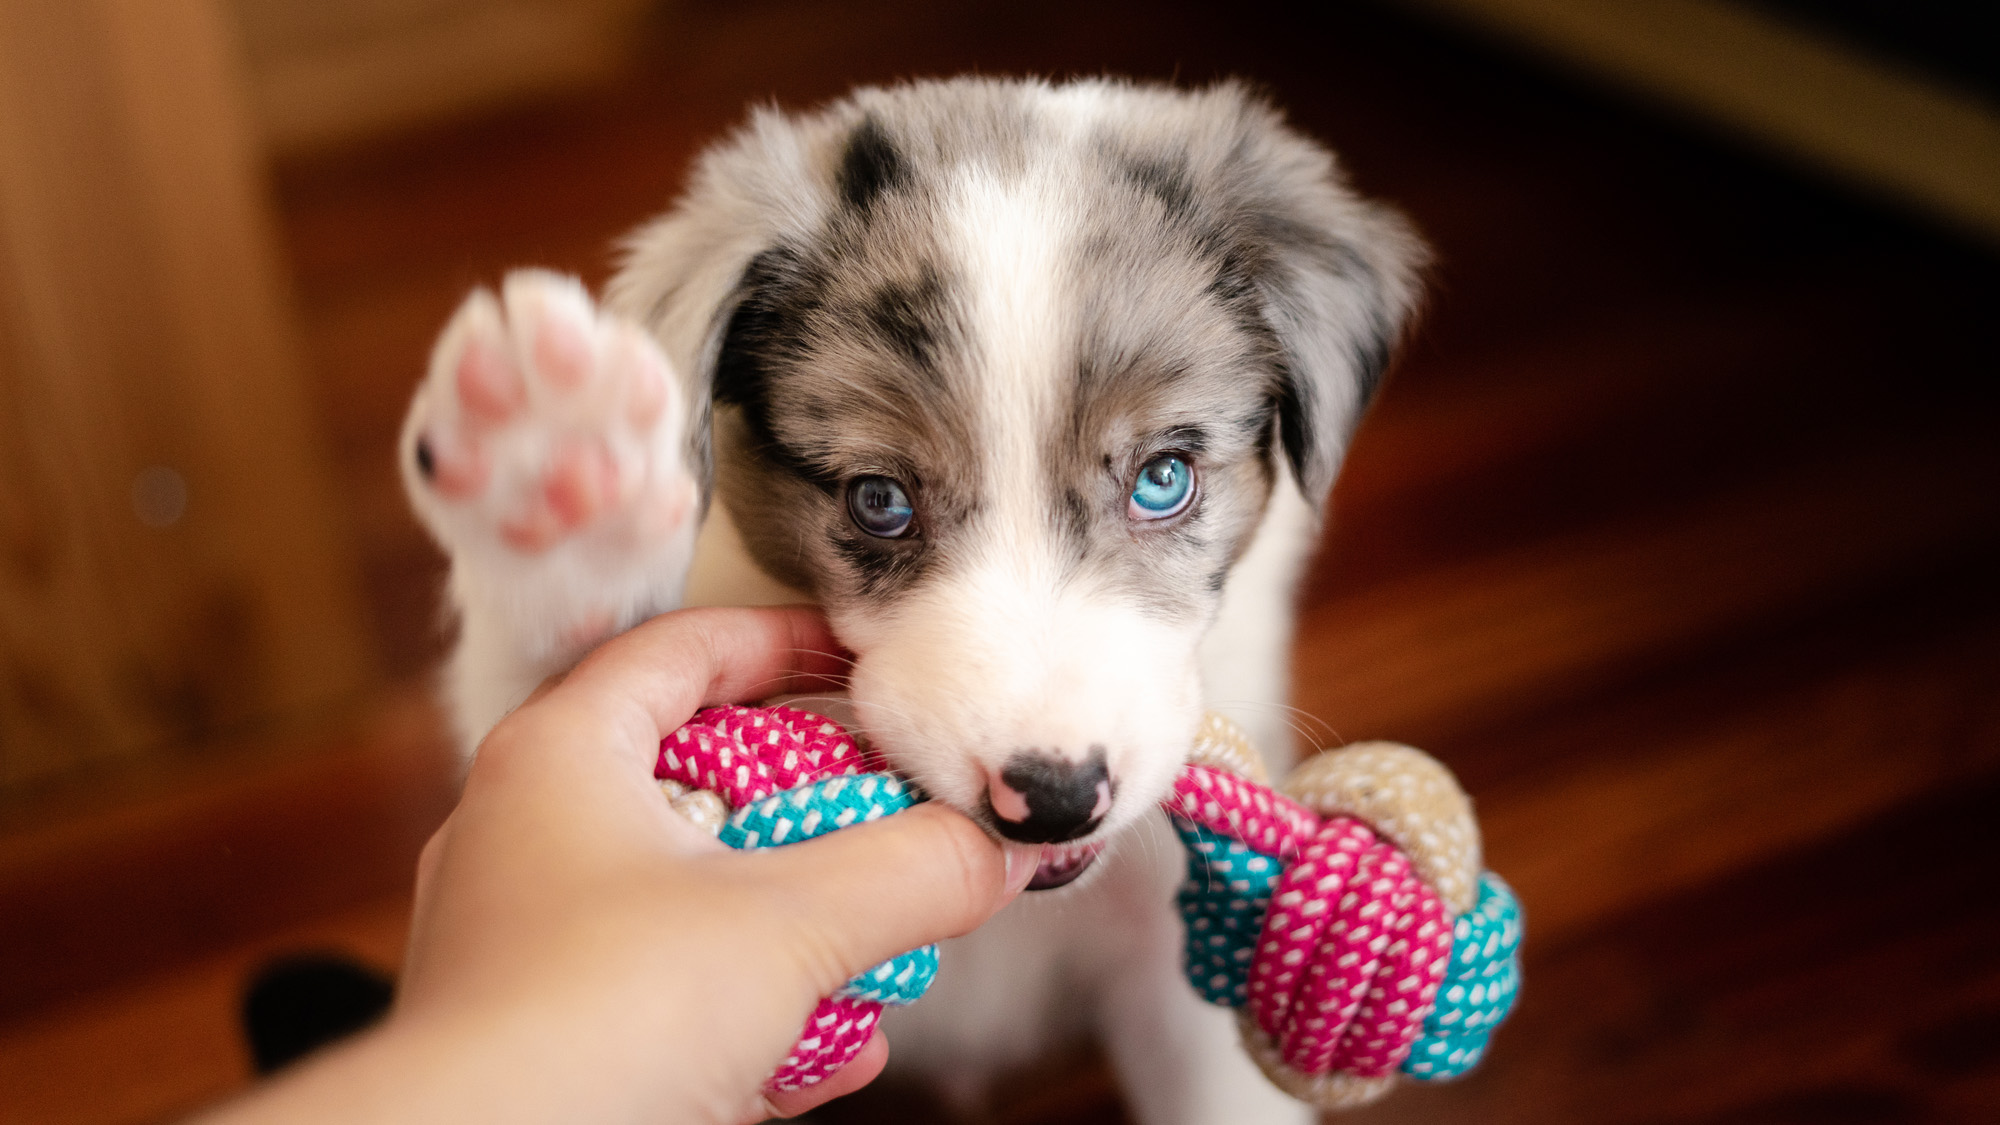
point(1346, 919)
point(767, 776)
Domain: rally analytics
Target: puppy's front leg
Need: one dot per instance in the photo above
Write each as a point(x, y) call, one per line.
point(1178, 1057)
point(546, 451)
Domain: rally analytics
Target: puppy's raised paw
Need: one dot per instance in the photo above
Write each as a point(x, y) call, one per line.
point(544, 422)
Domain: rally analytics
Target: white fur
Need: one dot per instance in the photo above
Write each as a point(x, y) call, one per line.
point(1102, 957)
point(1010, 651)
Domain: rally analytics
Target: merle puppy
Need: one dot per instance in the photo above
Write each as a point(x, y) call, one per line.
point(1039, 391)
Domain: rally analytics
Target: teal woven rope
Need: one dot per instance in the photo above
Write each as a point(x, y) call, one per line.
point(1228, 888)
point(1479, 987)
point(899, 980)
point(814, 809)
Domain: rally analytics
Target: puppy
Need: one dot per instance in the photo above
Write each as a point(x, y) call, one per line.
point(1039, 391)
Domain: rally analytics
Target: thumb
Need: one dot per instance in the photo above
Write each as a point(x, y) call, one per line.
point(861, 895)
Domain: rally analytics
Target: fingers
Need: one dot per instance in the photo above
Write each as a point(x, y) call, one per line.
point(856, 897)
point(658, 673)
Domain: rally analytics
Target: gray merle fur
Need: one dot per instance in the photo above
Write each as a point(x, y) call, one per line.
point(1225, 297)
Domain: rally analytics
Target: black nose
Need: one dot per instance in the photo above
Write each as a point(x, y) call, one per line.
point(1040, 798)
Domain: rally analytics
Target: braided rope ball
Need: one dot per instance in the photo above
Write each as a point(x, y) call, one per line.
point(1346, 919)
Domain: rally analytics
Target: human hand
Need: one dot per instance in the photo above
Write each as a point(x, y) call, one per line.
point(580, 951)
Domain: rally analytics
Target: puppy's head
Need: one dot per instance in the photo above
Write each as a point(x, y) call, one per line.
point(1005, 375)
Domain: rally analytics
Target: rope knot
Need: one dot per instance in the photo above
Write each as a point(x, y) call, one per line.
point(1346, 919)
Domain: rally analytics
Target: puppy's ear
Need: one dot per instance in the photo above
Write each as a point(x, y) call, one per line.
point(720, 279)
point(690, 276)
point(1335, 280)
point(1338, 289)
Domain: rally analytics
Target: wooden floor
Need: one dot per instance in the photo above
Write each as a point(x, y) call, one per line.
point(1675, 532)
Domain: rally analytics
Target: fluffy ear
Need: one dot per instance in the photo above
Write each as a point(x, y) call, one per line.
point(1338, 292)
point(714, 279)
point(685, 275)
point(1337, 281)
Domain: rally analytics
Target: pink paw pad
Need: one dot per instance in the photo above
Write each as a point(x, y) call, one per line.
point(489, 385)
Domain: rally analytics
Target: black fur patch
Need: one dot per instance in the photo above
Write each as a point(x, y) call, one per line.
point(1318, 256)
point(779, 292)
point(1296, 428)
point(912, 317)
point(1165, 180)
point(1340, 259)
point(1076, 521)
point(882, 566)
point(870, 166)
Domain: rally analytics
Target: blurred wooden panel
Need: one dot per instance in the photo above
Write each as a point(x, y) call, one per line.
point(324, 73)
point(170, 566)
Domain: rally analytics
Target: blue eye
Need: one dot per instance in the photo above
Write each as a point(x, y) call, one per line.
point(1164, 488)
point(879, 506)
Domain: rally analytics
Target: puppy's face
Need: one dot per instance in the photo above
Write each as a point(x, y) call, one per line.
point(1011, 408)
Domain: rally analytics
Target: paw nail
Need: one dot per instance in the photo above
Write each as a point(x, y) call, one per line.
point(456, 469)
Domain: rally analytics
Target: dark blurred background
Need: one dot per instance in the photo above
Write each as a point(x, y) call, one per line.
point(1674, 532)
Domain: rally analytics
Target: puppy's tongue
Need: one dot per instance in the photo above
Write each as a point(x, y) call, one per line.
point(1062, 863)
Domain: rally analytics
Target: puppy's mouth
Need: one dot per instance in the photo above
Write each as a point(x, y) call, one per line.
point(1063, 863)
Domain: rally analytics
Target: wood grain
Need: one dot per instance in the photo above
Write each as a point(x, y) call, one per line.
point(147, 337)
point(1479, 640)
point(327, 74)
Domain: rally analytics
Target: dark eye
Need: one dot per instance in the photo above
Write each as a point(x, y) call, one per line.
point(1164, 488)
point(879, 506)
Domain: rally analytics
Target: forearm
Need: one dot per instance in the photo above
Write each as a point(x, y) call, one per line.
point(506, 1067)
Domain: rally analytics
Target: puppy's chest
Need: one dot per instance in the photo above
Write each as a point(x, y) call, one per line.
point(723, 573)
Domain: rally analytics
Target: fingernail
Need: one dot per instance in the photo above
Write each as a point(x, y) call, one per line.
point(1022, 861)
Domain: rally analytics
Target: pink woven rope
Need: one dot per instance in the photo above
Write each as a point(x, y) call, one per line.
point(1301, 1000)
point(1347, 966)
point(834, 1033)
point(1351, 954)
point(1241, 809)
point(1354, 944)
point(745, 754)
point(1391, 1016)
